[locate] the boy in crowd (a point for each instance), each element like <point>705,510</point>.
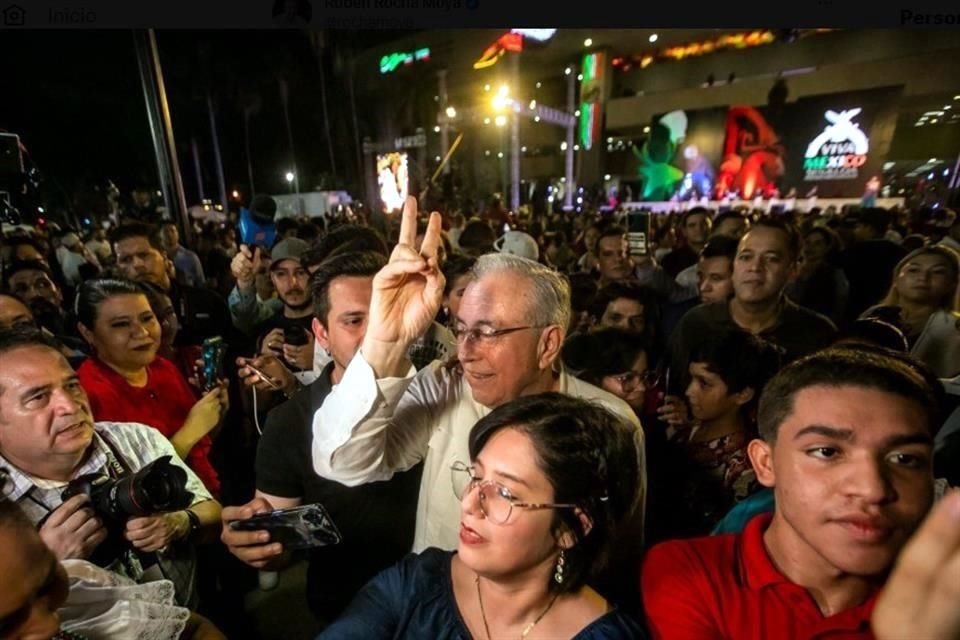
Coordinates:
<point>847,446</point>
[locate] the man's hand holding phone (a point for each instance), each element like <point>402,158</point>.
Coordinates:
<point>251,547</point>
<point>266,373</point>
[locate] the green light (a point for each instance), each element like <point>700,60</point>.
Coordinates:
<point>589,67</point>
<point>391,61</point>
<point>586,125</point>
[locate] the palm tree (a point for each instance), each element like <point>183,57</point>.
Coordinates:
<point>318,40</point>
<point>250,103</point>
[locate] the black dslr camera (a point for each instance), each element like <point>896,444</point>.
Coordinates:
<point>159,487</point>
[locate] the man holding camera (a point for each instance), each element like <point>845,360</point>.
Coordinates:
<point>50,445</point>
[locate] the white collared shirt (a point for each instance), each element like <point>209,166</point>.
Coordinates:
<point>369,429</point>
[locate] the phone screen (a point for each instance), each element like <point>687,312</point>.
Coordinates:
<point>638,232</point>
<point>302,527</point>
<point>212,356</point>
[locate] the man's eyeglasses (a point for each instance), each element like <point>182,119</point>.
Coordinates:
<point>631,379</point>
<point>496,501</point>
<point>486,335</point>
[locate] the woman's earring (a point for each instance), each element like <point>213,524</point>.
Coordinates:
<point>561,560</point>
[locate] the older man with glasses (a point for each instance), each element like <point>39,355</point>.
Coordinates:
<point>384,417</point>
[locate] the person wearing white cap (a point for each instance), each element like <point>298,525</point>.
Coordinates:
<point>73,255</point>
<point>518,243</point>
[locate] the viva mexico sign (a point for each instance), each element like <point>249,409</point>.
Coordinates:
<point>839,151</point>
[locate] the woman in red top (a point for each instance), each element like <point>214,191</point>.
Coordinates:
<point>127,381</point>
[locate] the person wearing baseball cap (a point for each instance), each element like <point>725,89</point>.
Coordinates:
<point>287,332</point>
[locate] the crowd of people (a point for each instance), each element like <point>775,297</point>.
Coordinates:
<point>745,426</point>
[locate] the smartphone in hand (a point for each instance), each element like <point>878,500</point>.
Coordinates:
<point>303,527</point>
<point>295,336</point>
<point>212,354</point>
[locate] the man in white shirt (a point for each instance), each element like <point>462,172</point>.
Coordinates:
<point>48,438</point>
<point>384,417</point>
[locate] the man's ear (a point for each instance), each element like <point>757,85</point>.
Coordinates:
<point>744,396</point>
<point>566,540</point>
<point>549,348</point>
<point>321,334</point>
<point>761,457</point>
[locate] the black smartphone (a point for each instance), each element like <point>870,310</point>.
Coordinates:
<point>638,232</point>
<point>212,354</point>
<point>295,336</point>
<point>302,527</point>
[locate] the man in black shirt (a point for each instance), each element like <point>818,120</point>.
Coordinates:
<point>375,519</point>
<point>765,262</point>
<point>294,319</point>
<point>202,312</point>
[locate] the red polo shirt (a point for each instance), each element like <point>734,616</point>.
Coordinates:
<point>162,404</point>
<point>728,587</point>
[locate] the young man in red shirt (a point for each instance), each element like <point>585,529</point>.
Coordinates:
<point>847,446</point>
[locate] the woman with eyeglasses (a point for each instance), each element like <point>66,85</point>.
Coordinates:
<point>550,480</point>
<point>615,360</point>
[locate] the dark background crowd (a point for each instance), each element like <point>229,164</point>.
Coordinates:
<point>684,326</point>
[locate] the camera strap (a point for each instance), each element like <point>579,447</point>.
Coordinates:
<point>116,465</point>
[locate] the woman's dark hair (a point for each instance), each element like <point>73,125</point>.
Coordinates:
<point>741,360</point>
<point>92,293</point>
<point>589,456</point>
<point>456,265</point>
<point>607,352</point>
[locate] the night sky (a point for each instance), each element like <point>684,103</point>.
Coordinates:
<point>75,99</point>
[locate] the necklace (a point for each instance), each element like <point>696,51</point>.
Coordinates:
<point>527,629</point>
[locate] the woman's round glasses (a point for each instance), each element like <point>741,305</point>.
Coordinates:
<point>631,379</point>
<point>496,501</point>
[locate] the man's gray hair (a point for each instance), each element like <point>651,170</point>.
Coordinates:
<point>551,291</point>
